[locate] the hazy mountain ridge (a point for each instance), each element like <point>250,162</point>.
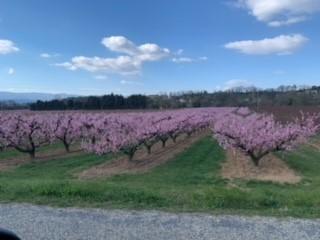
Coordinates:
<point>29,97</point>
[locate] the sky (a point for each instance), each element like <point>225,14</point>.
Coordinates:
<point>122,46</point>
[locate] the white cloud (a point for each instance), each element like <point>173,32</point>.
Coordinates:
<point>7,46</point>
<point>45,55</point>
<point>280,12</point>
<point>144,52</point>
<point>122,64</point>
<point>188,59</point>
<point>151,52</point>
<point>180,51</point>
<point>203,58</point>
<point>131,63</point>
<point>237,83</point>
<point>126,82</point>
<point>283,44</point>
<point>120,44</point>
<point>11,71</point>
<point>131,59</point>
<point>178,58</point>
<point>182,60</point>
<point>48,55</point>
<point>286,22</point>
<point>66,65</point>
<point>101,77</point>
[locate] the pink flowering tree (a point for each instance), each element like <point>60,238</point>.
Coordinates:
<point>92,129</point>
<point>150,139</point>
<point>113,133</point>
<point>258,135</point>
<point>150,131</point>
<point>26,133</point>
<point>66,128</point>
<point>162,132</point>
<point>194,123</point>
<point>3,142</point>
<point>177,125</point>
<point>130,137</point>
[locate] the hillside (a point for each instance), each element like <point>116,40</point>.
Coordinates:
<point>250,97</point>
<point>29,97</point>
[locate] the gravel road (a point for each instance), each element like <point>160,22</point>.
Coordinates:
<point>37,222</point>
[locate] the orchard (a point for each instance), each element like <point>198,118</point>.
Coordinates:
<point>256,135</point>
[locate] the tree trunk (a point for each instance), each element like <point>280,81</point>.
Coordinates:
<point>255,160</point>
<point>32,154</point>
<point>130,153</point>
<point>149,149</point>
<point>67,147</point>
<point>163,143</point>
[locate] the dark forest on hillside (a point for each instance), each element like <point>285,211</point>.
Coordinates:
<point>251,97</point>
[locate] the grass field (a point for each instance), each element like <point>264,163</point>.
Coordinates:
<point>190,182</point>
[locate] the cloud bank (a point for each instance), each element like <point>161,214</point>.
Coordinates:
<point>130,62</point>
<point>278,13</point>
<point>188,59</point>
<point>11,71</point>
<point>281,45</point>
<point>48,55</point>
<point>7,46</point>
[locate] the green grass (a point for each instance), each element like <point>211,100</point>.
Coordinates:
<point>190,182</point>
<point>12,153</point>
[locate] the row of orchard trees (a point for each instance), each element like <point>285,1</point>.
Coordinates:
<point>258,135</point>
<point>101,133</point>
<point>254,134</point>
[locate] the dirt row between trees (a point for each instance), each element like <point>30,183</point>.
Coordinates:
<point>271,168</point>
<point>142,161</point>
<point>13,162</point>
<point>236,166</point>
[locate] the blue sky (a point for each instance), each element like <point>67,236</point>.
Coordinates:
<point>143,46</point>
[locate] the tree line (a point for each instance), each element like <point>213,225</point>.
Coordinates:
<point>110,101</point>
<point>240,97</point>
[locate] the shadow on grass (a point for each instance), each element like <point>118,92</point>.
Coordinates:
<point>190,182</point>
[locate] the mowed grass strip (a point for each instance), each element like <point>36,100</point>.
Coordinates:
<point>190,182</point>
<point>47,149</point>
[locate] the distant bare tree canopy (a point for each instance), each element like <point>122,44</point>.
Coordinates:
<point>239,96</point>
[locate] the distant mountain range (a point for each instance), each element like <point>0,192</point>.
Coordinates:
<point>30,97</point>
